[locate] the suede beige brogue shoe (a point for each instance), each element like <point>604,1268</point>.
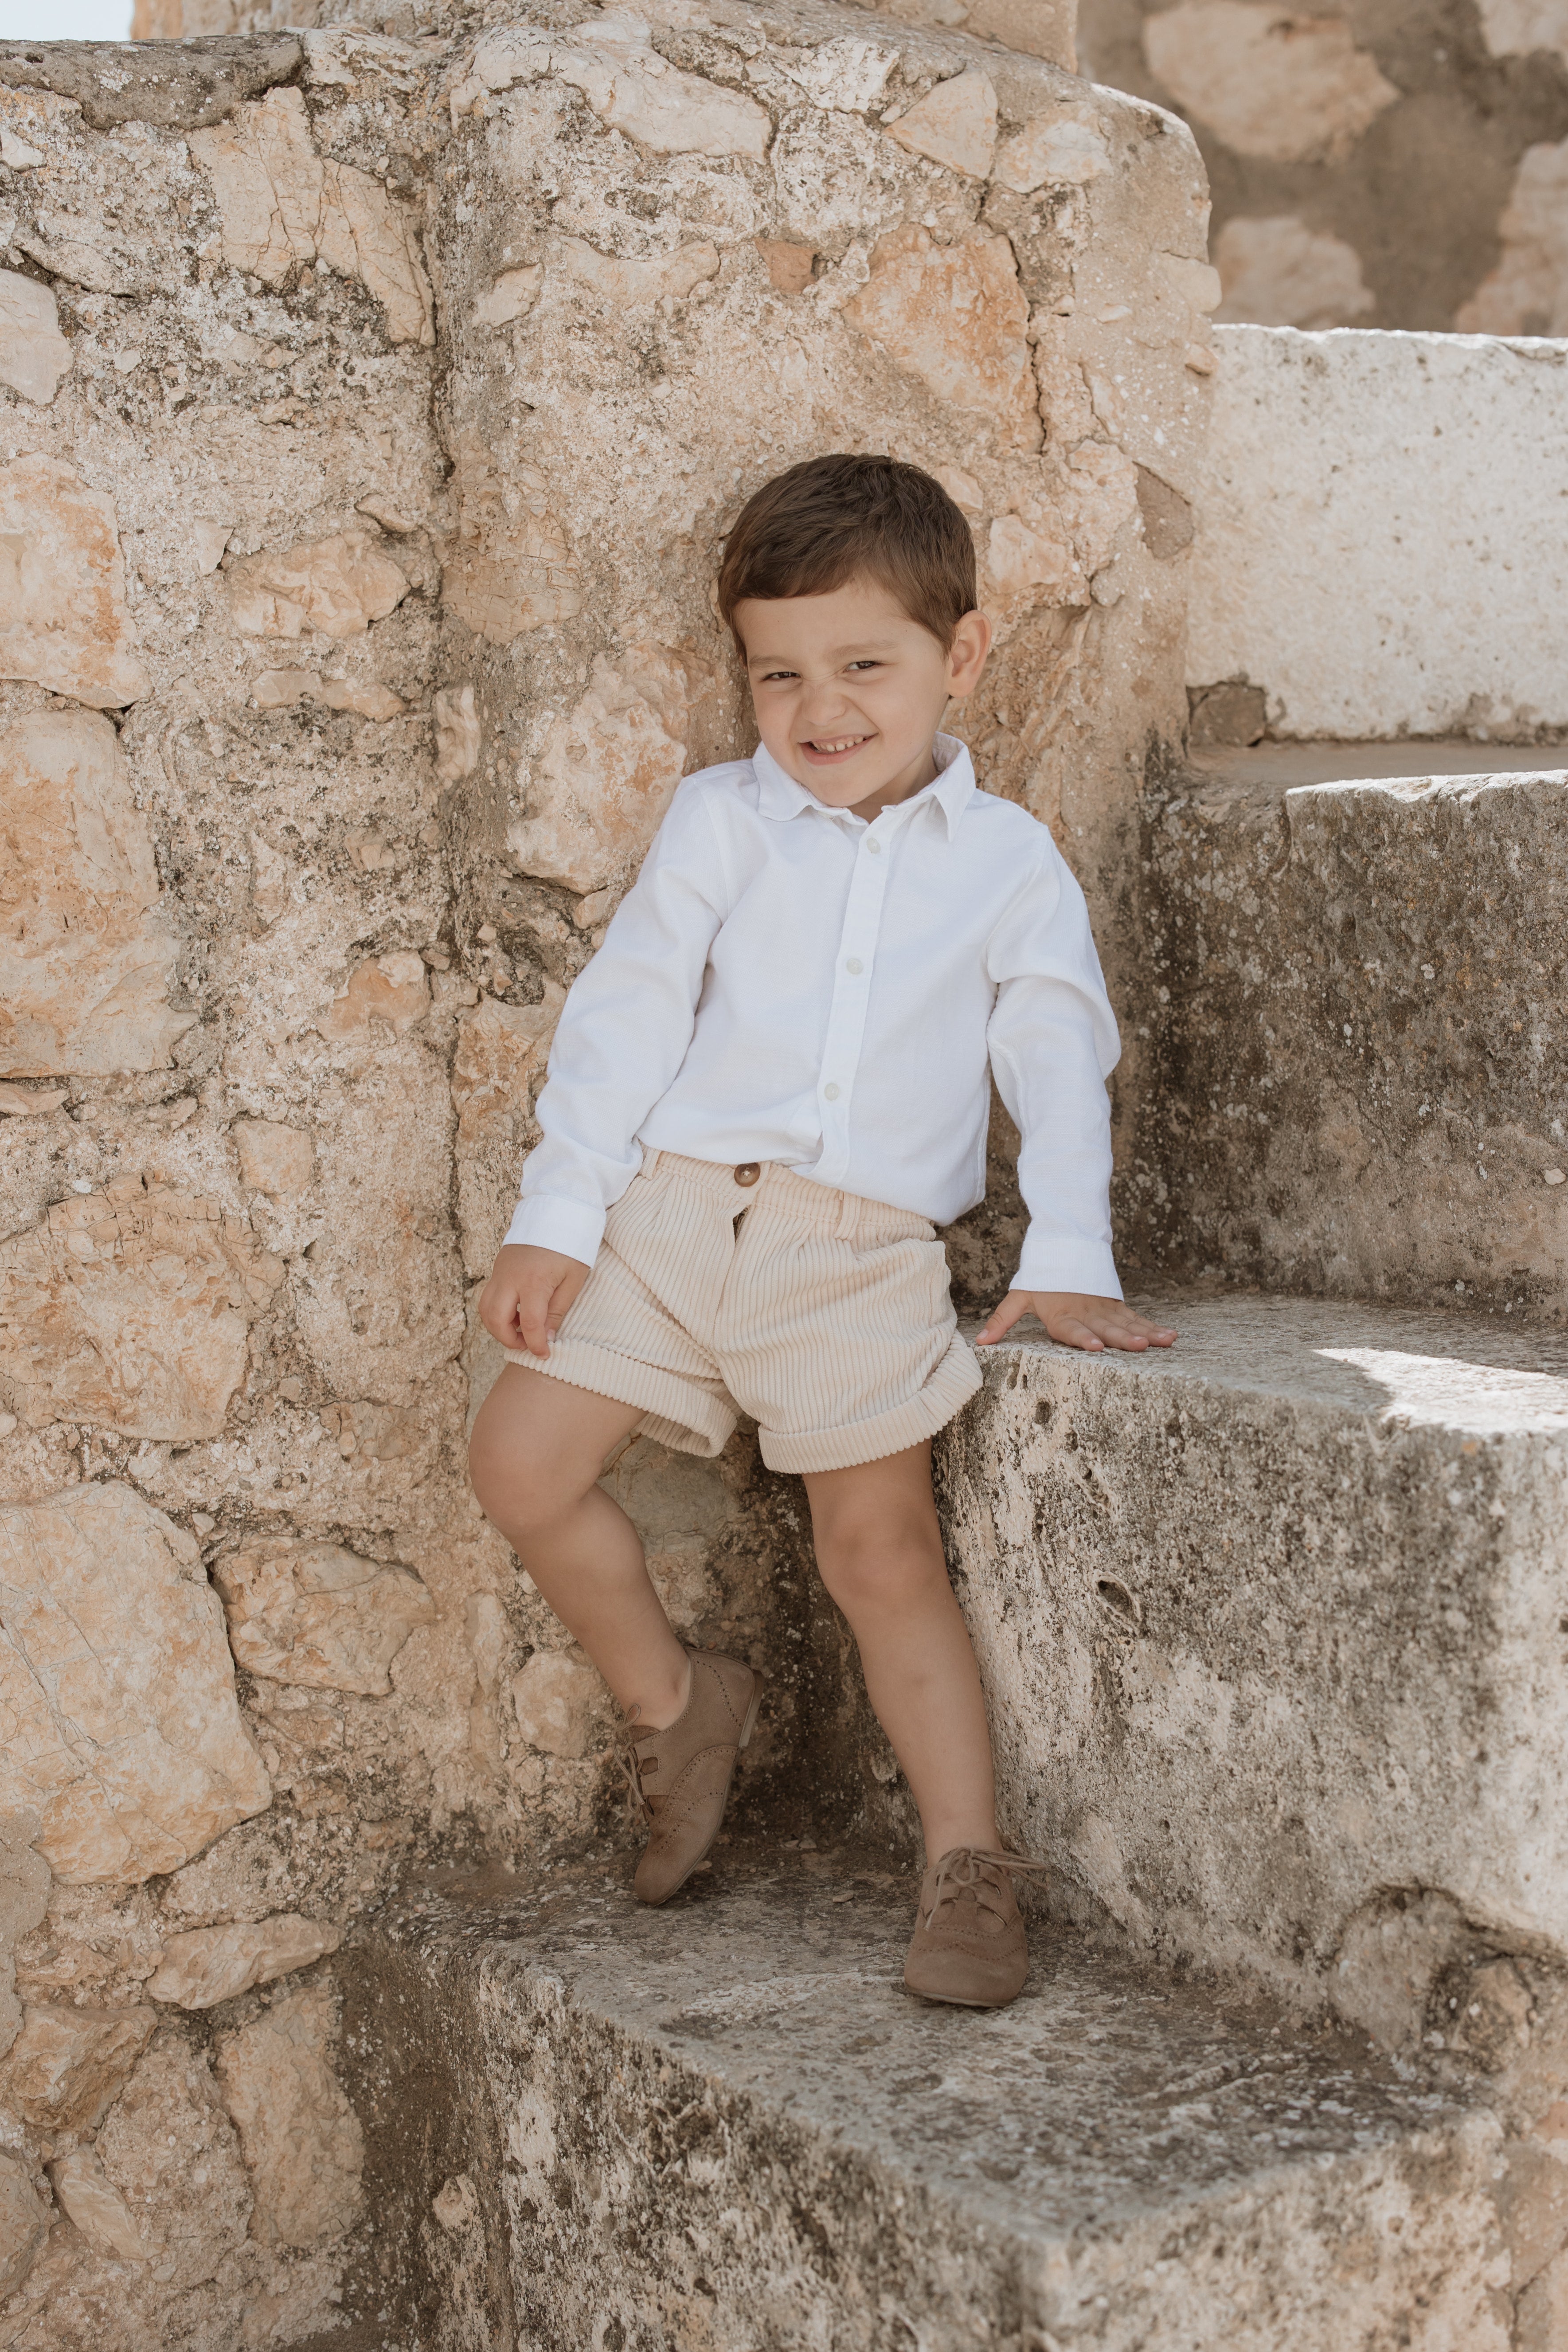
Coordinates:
<point>680,1776</point>
<point>969,1945</point>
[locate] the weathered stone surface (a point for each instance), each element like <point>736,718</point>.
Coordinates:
<point>1365,990</point>
<point>283,205</point>
<point>178,84</point>
<point>457,734</point>
<point>208,1965</point>
<point>629,85</point>
<point>63,621</point>
<point>169,2151</point>
<point>25,1881</point>
<point>129,1309</point>
<point>497,1072</point>
<point>68,2063</point>
<point>1543,2323</point>
<point>955,125</point>
<point>1515,27</point>
<point>1117,2161</point>
<point>511,567</point>
<point>121,1731</point>
<point>391,988</point>
<point>1277,272</point>
<point>1064,150</point>
<point>338,585</point>
<point>87,954</point>
<point>594,789</point>
<point>1223,1597</point>
<point>1271,84</point>
<point>23,2224</point>
<point>1527,292</point>
<point>92,2204</point>
<point>276,1160</point>
<point>34,355</point>
<point>316,1614</point>
<point>302,2139</point>
<point>953,316</point>
<point>560,1703</point>
<point>1403,614</point>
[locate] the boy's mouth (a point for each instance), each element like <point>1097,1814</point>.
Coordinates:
<point>823,750</point>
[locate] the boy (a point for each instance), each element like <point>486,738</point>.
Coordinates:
<point>766,1090</point>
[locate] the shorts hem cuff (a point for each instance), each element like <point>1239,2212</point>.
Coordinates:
<point>673,1415</point>
<point>956,1379</point>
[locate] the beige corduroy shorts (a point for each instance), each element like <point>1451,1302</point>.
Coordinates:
<point>722,1290</point>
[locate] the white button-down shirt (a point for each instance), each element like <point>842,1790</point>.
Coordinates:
<point>786,981</point>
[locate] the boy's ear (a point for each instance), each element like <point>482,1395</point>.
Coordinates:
<point>966,656</point>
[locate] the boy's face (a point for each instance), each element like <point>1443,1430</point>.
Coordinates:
<point>849,692</point>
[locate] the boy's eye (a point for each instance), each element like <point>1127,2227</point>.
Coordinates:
<point>776,677</point>
<point>866,664</point>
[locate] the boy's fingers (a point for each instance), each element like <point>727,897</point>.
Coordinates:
<point>1000,1322</point>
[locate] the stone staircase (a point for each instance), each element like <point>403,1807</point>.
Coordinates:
<point>1275,1632</point>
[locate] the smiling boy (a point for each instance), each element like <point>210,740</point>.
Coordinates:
<point>767,1089</point>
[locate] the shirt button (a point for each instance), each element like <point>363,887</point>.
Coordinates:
<point>873,845</point>
<point>856,966</point>
<point>830,1092</point>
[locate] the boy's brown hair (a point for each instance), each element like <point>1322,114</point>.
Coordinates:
<point>835,518</point>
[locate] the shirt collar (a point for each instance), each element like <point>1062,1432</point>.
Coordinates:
<point>950,790</point>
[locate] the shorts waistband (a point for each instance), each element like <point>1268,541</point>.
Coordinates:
<point>788,1194</point>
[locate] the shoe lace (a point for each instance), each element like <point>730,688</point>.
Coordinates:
<point>635,1768</point>
<point>972,1870</point>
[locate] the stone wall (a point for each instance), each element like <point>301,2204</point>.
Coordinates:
<point>373,404</point>
<point>1380,549</point>
<point>1374,164</point>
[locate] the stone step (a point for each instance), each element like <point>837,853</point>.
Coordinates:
<point>725,2125</point>
<point>1362,1024</point>
<point>1274,1625</point>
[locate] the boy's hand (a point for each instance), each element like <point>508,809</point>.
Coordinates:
<point>525,1300</point>
<point>1076,1321</point>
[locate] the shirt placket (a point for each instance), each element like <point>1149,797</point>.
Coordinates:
<point>851,994</point>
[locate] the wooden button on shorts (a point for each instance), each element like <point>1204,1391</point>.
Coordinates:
<point>722,1290</point>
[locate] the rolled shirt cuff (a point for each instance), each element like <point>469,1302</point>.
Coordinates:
<point>547,1221</point>
<point>1087,1267</point>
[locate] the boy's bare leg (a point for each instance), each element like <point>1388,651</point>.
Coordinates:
<point>879,1551</point>
<point>535,1458</point>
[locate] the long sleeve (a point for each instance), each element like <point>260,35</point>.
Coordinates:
<point>1053,1042</point>
<point>623,1035</point>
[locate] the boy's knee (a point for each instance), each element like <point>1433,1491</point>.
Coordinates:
<point>877,1565</point>
<point>515,1491</point>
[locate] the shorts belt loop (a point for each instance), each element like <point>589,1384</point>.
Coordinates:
<point>650,1160</point>
<point>848,1217</point>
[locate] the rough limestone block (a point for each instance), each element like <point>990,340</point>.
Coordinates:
<point>733,2115</point>
<point>273,1159</point>
<point>23,2224</point>
<point>1366,1029</point>
<point>599,781</point>
<point>1270,1623</point>
<point>171,2153</point>
<point>207,1964</point>
<point>25,1880</point>
<point>122,1731</point>
<point>34,355</point>
<point>283,205</point>
<point>1402,613</point>
<point>1269,84</point>
<point>87,952</point>
<point>129,1309</point>
<point>497,1072</point>
<point>316,1614</point>
<point>339,585</point>
<point>92,2204</point>
<point>63,619</point>
<point>559,1701</point>
<point>68,2063</point>
<point>302,2139</point>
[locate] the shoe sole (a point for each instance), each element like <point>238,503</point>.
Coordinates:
<point>654,1902</point>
